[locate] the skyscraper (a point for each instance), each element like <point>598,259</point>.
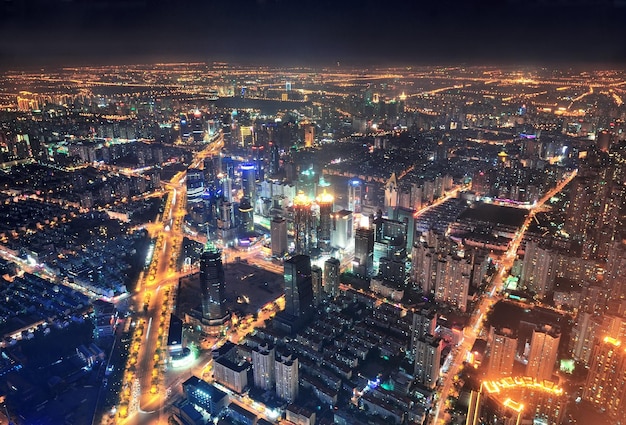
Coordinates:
<point>298,286</point>
<point>212,284</point>
<point>544,347</point>
<point>195,184</point>
<point>606,382</point>
<point>316,280</point>
<point>363,251</point>
<point>263,366</point>
<point>428,360</point>
<point>246,215</point>
<point>325,202</point>
<point>355,197</point>
<point>503,347</point>
<point>248,181</point>
<point>278,235</point>
<point>424,323</point>
<point>331,276</point>
<point>286,367</point>
<point>302,223</point>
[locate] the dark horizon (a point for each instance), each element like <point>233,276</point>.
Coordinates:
<point>51,33</point>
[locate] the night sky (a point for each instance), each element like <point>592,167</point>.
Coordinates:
<point>313,32</point>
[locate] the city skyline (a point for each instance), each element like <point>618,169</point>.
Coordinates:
<point>293,237</point>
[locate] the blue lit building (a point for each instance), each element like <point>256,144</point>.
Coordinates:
<point>204,395</point>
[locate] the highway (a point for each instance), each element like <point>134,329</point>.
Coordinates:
<point>143,387</point>
<point>485,304</point>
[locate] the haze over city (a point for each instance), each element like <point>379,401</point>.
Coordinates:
<point>312,212</point>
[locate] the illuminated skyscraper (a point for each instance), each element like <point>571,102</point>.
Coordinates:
<point>212,284</point>
<point>248,181</point>
<point>287,377</point>
<point>544,347</point>
<point>246,216</point>
<point>331,276</point>
<point>278,234</point>
<point>302,224</point>
<point>606,381</point>
<point>309,135</point>
<point>355,195</point>
<point>317,276</point>
<point>298,286</point>
<point>428,360</point>
<point>263,364</point>
<point>341,234</point>
<point>325,202</point>
<point>363,251</point>
<point>195,184</point>
<point>502,355</point>
<point>424,323</point>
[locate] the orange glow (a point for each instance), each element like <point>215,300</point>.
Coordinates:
<point>301,200</point>
<point>514,405</point>
<point>522,381</point>
<point>614,342</point>
<point>325,198</point>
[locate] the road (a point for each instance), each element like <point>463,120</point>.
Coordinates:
<point>486,302</point>
<point>152,304</point>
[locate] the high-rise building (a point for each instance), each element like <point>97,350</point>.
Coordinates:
<point>544,348</point>
<point>342,230</point>
<point>424,323</point>
<point>331,276</point>
<point>452,280</point>
<point>428,360</point>
<point>263,364</point>
<point>278,235</point>
<point>246,215</point>
<point>287,384</point>
<point>212,284</point>
<point>503,346</point>
<point>309,135</point>
<point>298,286</point>
<point>325,202</point>
<point>303,224</point>
<point>606,381</point>
<point>317,276</point>
<point>616,270</point>
<point>363,251</point>
<point>248,181</point>
<point>195,184</point>
<point>355,195</point>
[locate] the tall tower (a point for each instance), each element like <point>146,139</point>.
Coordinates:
<point>195,184</point>
<point>355,189</point>
<point>606,381</point>
<point>287,377</point>
<point>212,283</point>
<point>248,181</point>
<point>428,360</point>
<point>544,347</point>
<point>278,235</point>
<point>363,251</point>
<point>309,135</point>
<point>263,364</point>
<point>503,348</point>
<point>325,202</point>
<point>316,280</point>
<point>302,223</point>
<point>391,192</point>
<point>298,285</point>
<point>424,323</point>
<point>331,276</point>
<point>246,215</point>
